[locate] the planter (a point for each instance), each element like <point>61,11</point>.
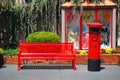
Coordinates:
<point>10,59</point>
<point>111,59</point>
<point>81,59</point>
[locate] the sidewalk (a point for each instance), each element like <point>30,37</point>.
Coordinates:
<point>109,72</point>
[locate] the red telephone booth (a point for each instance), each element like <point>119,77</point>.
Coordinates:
<point>94,46</point>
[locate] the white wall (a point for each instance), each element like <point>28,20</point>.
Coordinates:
<point>63,26</point>
<point>114,29</point>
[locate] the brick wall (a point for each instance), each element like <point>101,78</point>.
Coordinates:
<point>80,59</point>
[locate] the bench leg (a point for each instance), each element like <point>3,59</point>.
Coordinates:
<point>19,61</point>
<point>74,64</point>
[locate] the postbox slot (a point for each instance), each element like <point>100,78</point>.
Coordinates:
<point>95,31</point>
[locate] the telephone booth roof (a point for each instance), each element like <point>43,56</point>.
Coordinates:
<point>95,25</point>
<point>86,4</point>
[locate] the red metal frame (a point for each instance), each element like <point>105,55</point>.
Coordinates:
<point>49,51</point>
<point>80,32</point>
<point>96,15</point>
<point>94,40</point>
<point>111,28</point>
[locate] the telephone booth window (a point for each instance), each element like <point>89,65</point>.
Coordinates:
<point>105,19</point>
<point>72,27</point>
<point>87,17</point>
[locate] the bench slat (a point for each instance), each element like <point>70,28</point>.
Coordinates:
<point>44,54</point>
<point>48,58</point>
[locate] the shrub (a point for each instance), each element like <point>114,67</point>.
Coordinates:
<point>43,37</point>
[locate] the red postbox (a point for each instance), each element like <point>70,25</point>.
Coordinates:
<point>94,46</point>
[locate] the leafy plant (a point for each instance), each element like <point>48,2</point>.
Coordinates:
<point>83,52</point>
<point>108,50</point>
<point>10,51</point>
<point>43,37</point>
<point>1,50</point>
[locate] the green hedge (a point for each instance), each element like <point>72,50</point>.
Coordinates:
<point>43,37</point>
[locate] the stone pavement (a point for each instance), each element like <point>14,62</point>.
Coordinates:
<point>108,72</point>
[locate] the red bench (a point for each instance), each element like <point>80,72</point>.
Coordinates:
<point>46,51</point>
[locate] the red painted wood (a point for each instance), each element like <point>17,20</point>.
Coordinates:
<point>46,51</point>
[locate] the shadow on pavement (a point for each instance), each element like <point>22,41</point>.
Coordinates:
<point>102,68</point>
<point>46,67</point>
<point>3,67</point>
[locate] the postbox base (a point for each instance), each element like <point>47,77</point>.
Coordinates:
<point>93,64</point>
